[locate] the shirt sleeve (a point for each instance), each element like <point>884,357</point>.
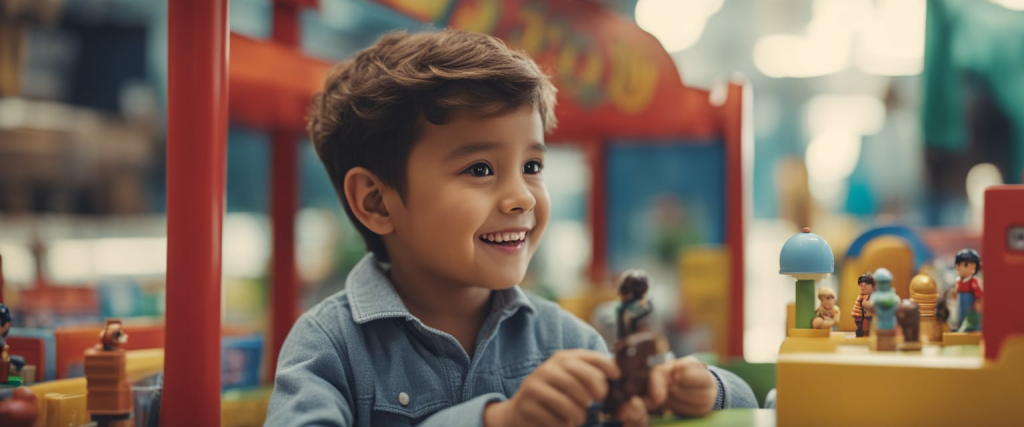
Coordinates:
<point>733,392</point>
<point>311,386</point>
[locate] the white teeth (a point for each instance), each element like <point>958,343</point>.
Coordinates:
<point>504,237</point>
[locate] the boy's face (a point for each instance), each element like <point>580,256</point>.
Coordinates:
<point>472,182</point>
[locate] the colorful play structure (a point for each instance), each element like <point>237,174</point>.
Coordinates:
<point>620,94</point>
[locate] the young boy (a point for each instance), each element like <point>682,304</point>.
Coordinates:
<point>435,145</point>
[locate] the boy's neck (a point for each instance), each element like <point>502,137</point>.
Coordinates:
<point>452,308</point>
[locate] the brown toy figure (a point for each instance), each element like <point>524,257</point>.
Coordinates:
<point>908,314</point>
<point>860,314</point>
<point>637,347</point>
<point>109,399</point>
<point>827,313</point>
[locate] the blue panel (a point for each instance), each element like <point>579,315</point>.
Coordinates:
<point>248,176</point>
<point>663,197</point>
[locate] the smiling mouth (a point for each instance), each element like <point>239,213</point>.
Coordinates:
<point>504,239</point>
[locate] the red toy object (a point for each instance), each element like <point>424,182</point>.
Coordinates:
<point>109,399</point>
<point>20,410</point>
<point>1003,247</point>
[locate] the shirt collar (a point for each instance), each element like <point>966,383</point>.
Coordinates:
<point>372,296</point>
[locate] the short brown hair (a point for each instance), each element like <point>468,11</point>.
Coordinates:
<point>368,112</point>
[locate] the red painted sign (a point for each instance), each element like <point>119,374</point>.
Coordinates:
<point>614,79</point>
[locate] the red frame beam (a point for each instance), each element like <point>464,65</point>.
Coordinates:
<point>197,118</point>
<point>284,203</point>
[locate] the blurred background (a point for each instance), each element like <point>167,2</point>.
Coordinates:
<point>857,114</point>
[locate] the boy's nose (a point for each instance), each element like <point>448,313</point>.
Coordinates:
<point>517,198</point>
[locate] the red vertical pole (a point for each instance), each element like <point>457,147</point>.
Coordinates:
<point>596,154</point>
<point>284,202</point>
<point>196,161</point>
<point>734,214</point>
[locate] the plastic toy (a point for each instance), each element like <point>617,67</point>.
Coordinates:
<point>968,263</point>
<point>860,314</point>
<point>883,304</point>
<point>925,293</point>
<point>635,307</point>
<point>908,315</point>
<point>20,410</point>
<point>637,349</point>
<point>827,314</point>
<point>806,257</point>
<point>6,359</point>
<point>1003,246</point>
<point>109,400</point>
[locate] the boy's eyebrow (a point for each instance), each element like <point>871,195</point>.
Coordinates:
<point>483,146</point>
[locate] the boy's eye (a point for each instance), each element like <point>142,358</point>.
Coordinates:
<point>479,169</point>
<point>533,167</point>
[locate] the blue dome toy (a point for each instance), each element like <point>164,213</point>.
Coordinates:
<point>806,256</point>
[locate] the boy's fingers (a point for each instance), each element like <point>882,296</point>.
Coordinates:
<point>657,386</point>
<point>592,378</point>
<point>690,372</point>
<point>561,406</point>
<point>600,361</point>
<point>569,385</point>
<point>633,413</point>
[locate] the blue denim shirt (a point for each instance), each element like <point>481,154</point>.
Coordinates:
<point>359,358</point>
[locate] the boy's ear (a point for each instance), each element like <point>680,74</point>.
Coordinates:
<point>364,193</point>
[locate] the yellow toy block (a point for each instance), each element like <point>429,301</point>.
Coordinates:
<point>704,291</point>
<point>937,386</point>
<point>64,410</point>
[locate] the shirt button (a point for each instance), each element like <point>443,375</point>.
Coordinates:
<point>403,398</point>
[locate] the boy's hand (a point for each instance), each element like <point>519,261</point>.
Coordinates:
<point>558,392</point>
<point>692,388</point>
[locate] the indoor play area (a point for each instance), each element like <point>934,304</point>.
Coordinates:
<point>825,196</point>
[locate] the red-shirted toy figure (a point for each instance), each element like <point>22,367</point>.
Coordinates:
<point>968,263</point>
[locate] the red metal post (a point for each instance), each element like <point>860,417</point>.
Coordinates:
<point>197,120</point>
<point>733,119</point>
<point>284,202</point>
<point>596,152</point>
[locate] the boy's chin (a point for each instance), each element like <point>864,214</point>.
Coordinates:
<point>501,282</point>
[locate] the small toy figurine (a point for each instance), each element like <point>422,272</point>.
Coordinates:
<point>638,349</point>
<point>6,359</point>
<point>883,304</point>
<point>20,410</point>
<point>909,317</point>
<point>109,398</point>
<point>925,293</point>
<point>827,314</point>
<point>635,307</point>
<point>112,336</point>
<point>860,316</point>
<point>968,263</point>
